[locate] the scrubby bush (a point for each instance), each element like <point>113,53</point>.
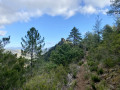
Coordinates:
<point>73,69</point>
<point>74,83</point>
<point>61,55</point>
<point>90,63</point>
<point>61,75</point>
<point>102,85</point>
<point>49,66</point>
<point>66,54</point>
<point>80,63</point>
<point>109,63</point>
<point>41,82</point>
<point>93,86</point>
<point>93,68</point>
<point>95,78</point>
<point>12,71</point>
<point>48,81</point>
<point>100,71</point>
<point>76,54</point>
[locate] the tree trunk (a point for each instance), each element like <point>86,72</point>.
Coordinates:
<point>31,64</point>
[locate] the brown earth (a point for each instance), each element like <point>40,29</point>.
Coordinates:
<point>81,82</point>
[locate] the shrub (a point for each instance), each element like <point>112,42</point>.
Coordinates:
<point>95,78</point>
<point>80,63</point>
<point>74,83</point>
<point>48,81</point>
<point>102,85</point>
<point>42,82</point>
<point>12,71</point>
<point>109,63</point>
<point>93,86</point>
<point>73,69</point>
<point>74,74</point>
<point>93,68</point>
<point>100,71</point>
<point>49,66</point>
<point>88,88</point>
<point>61,75</point>
<point>65,54</point>
<point>91,63</point>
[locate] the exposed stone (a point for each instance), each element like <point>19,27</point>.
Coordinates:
<point>69,78</point>
<point>112,87</point>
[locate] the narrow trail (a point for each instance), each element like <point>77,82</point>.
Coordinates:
<point>81,82</point>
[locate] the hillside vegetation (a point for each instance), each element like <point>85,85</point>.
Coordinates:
<point>75,63</point>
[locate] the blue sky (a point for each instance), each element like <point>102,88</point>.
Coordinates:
<point>54,19</point>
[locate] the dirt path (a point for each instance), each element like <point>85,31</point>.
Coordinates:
<point>81,83</point>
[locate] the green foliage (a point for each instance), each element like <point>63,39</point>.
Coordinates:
<point>74,74</point>
<point>32,44</point>
<point>61,55</point>
<point>90,63</point>
<point>109,63</point>
<point>48,81</point>
<point>73,69</point>
<point>115,7</point>
<point>76,54</point>
<point>49,66</point>
<point>75,36</point>
<point>107,52</point>
<point>107,32</point>
<point>118,88</point>
<point>93,68</point>
<point>41,66</point>
<point>93,86</point>
<point>66,54</point>
<point>5,40</point>
<point>80,63</point>
<point>102,85</point>
<point>95,78</point>
<point>40,83</point>
<point>61,75</point>
<point>97,28</point>
<point>90,41</point>
<point>88,88</point>
<point>74,83</point>
<point>100,71</point>
<point>12,71</point>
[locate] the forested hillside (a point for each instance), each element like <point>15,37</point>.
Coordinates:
<point>89,62</point>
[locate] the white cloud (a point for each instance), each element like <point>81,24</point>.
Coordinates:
<point>2,33</point>
<point>87,9</point>
<point>97,3</point>
<point>22,10</point>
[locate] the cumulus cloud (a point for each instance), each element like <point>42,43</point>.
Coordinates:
<point>87,9</point>
<point>2,33</point>
<point>97,3</point>
<point>22,10</point>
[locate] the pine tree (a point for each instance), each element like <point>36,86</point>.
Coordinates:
<point>115,11</point>
<point>97,28</point>
<point>115,7</point>
<point>32,44</point>
<point>5,40</point>
<point>75,36</point>
<point>107,30</point>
